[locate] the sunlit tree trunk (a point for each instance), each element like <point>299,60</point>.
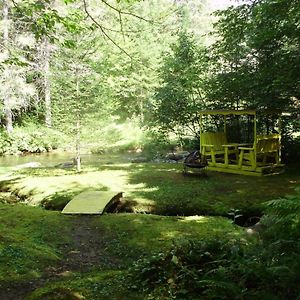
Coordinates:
<point>78,127</point>
<point>46,80</point>
<point>6,98</point>
<point>44,62</point>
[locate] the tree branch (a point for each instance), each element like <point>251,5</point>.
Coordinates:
<point>125,12</point>
<point>103,31</point>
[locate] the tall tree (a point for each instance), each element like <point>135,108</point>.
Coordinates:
<point>44,69</point>
<point>6,99</point>
<point>15,90</point>
<point>256,55</point>
<point>181,94</point>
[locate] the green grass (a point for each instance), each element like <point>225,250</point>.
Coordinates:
<point>32,238</point>
<point>29,241</point>
<point>156,188</point>
<point>128,238</point>
<point>132,236</point>
<point>216,194</point>
<point>105,285</point>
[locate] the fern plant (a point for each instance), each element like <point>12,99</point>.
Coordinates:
<point>283,217</point>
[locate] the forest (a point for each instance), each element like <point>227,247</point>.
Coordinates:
<point>101,96</point>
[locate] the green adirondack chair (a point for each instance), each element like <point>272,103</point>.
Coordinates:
<point>214,146</point>
<point>263,157</point>
<point>266,146</point>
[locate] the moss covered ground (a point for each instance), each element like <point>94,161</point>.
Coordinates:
<point>153,188</point>
<point>47,255</point>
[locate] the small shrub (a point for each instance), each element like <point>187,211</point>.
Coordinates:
<point>30,139</point>
<point>283,217</point>
<point>190,270</point>
<point>220,269</point>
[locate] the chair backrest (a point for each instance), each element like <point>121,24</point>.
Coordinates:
<point>267,143</point>
<point>214,138</point>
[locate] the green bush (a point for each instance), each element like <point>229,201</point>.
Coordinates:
<point>283,218</point>
<point>30,139</point>
<point>115,137</point>
<point>290,149</point>
<point>156,145</point>
<point>191,270</point>
<point>268,268</point>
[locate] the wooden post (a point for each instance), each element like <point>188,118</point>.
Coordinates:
<point>225,127</point>
<point>200,133</point>
<point>279,140</point>
<point>255,140</point>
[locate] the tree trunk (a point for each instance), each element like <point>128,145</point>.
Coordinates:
<point>6,98</point>
<point>46,80</point>
<point>8,116</point>
<point>78,158</point>
<point>78,128</point>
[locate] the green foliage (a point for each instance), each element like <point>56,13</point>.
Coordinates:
<point>283,217</point>
<point>45,19</point>
<point>256,55</point>
<point>30,139</point>
<point>156,145</point>
<point>218,269</point>
<point>190,270</point>
<point>291,148</point>
<point>181,93</point>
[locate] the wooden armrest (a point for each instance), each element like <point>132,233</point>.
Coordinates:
<point>246,148</point>
<point>230,146</point>
<point>206,145</point>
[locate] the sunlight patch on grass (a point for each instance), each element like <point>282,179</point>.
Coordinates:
<point>198,219</point>
<point>170,234</point>
<point>138,234</point>
<point>38,188</point>
<point>156,188</point>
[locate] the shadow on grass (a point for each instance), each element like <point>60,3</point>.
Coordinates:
<point>216,194</point>
<point>58,200</point>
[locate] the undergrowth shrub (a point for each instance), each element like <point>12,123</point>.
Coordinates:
<point>157,145</point>
<point>290,149</point>
<point>30,139</point>
<point>283,218</point>
<point>266,268</point>
<point>190,270</point>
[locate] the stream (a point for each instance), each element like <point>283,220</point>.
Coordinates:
<point>46,159</point>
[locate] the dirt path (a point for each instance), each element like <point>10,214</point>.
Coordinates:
<point>86,251</point>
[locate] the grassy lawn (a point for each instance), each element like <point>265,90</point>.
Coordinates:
<point>29,241</point>
<point>36,245</point>
<point>75,257</point>
<point>155,188</point>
